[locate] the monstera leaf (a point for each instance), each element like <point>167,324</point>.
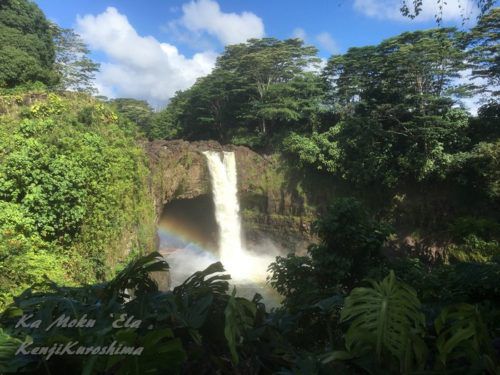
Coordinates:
<point>385,317</point>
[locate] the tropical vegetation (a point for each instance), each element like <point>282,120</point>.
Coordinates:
<point>404,276</point>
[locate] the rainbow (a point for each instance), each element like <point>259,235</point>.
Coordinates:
<point>186,254</point>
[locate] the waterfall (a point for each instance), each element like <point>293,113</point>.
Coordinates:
<point>227,208</point>
<point>246,267</point>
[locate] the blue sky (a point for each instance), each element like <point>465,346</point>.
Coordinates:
<point>150,49</point>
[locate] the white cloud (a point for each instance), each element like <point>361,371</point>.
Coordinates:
<point>453,10</point>
<point>299,33</point>
<point>327,43</point>
<point>139,66</point>
<point>229,28</point>
<point>323,40</point>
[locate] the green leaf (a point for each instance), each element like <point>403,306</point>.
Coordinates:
<point>386,317</point>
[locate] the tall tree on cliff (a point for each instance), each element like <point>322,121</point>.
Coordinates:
<point>264,66</point>
<point>26,48</point>
<point>414,69</point>
<point>209,107</point>
<point>395,104</point>
<point>256,89</point>
<point>484,43</point>
<point>75,68</point>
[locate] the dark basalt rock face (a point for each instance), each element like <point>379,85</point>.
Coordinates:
<point>271,208</point>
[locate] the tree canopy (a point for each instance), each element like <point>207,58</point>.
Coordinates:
<point>27,51</point>
<point>75,69</point>
<point>256,89</point>
<point>484,44</point>
<point>413,8</point>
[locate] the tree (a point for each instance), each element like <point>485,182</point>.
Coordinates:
<point>26,48</point>
<point>350,243</point>
<point>484,54</point>
<point>72,178</point>
<point>297,102</point>
<point>395,102</point>
<point>260,88</point>
<point>414,69</point>
<point>210,105</point>
<point>163,126</point>
<point>264,65</point>
<point>413,8</point>
<point>75,69</point>
<point>137,111</point>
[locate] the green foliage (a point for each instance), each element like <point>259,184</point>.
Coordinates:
<point>387,330</point>
<point>442,284</point>
<point>483,42</point>
<point>137,111</point>
<point>258,88</point>
<point>198,327</point>
<point>8,348</point>
<point>386,318</point>
<point>75,69</point>
<point>25,259</point>
<point>73,186</point>
<point>320,149</point>
<point>394,101</point>
<point>292,277</point>
<point>53,106</point>
<point>26,47</point>
<point>264,66</point>
<point>484,127</point>
<point>461,332</point>
<point>350,244</point>
<point>394,122</point>
<point>207,109</point>
<point>74,201</point>
<point>239,317</point>
<point>105,303</point>
<point>164,126</point>
<point>97,113</point>
<point>195,328</point>
<point>17,230</point>
<point>481,169</point>
<point>484,228</point>
<point>474,249</point>
<point>407,69</point>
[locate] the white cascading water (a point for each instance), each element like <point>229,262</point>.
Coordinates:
<point>227,208</point>
<point>237,261</point>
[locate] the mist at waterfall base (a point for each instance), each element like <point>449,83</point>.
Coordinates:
<point>186,254</point>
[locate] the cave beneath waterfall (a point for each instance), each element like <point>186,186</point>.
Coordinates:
<point>188,236</point>
<point>188,222</point>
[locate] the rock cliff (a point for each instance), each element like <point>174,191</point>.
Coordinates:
<point>272,208</point>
